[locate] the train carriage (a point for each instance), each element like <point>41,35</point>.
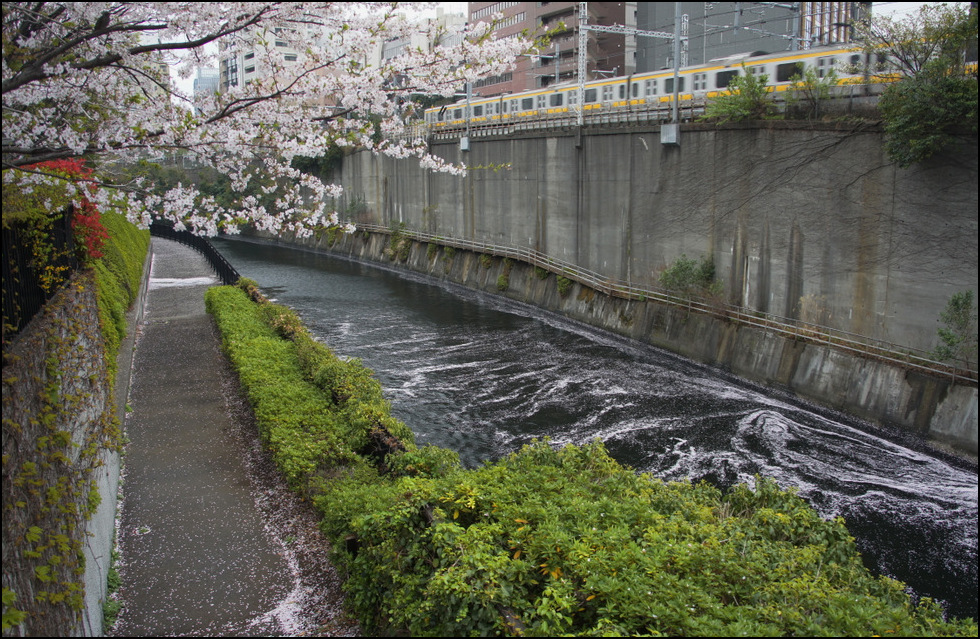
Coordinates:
<point>649,91</point>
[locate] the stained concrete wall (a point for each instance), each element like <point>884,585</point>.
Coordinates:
<point>879,392</point>
<point>802,221</point>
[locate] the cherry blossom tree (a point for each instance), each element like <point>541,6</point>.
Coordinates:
<point>92,80</point>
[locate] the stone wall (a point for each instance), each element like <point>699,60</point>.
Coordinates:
<point>61,463</point>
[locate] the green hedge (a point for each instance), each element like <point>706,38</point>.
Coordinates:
<point>544,541</point>
<point>118,274</point>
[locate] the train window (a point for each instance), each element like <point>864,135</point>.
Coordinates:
<point>607,93</point>
<point>757,70</point>
<point>669,85</point>
<point>622,91</point>
<point>700,81</point>
<point>724,78</point>
<point>542,101</point>
<point>478,111</point>
<point>590,95</point>
<point>527,104</point>
<point>824,66</point>
<point>557,99</point>
<point>573,98</point>
<point>491,108</point>
<point>786,71</point>
<point>636,90</point>
<point>503,106</point>
<point>650,87</point>
<point>458,114</point>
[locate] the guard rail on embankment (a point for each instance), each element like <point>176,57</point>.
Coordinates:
<point>226,272</point>
<point>910,358</point>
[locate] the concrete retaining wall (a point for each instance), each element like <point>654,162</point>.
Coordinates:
<point>876,391</point>
<point>802,221</point>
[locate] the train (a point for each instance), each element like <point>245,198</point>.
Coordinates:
<point>654,91</point>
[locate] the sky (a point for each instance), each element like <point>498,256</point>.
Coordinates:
<point>894,9</point>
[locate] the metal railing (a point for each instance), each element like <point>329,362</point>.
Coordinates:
<point>30,278</point>
<point>908,357</point>
<point>226,272</point>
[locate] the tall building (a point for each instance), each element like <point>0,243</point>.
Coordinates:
<point>235,68</point>
<point>206,82</point>
<point>720,29</point>
<point>607,53</point>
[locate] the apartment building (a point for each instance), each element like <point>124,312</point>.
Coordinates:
<point>608,54</point>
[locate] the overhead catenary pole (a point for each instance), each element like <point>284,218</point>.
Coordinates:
<point>677,60</point>
<point>583,40</point>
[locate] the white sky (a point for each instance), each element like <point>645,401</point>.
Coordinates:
<point>896,9</point>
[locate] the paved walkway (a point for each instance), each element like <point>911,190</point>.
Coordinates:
<point>198,557</point>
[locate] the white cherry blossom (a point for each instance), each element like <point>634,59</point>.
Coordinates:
<point>91,79</point>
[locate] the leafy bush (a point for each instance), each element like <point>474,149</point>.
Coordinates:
<point>748,98</point>
<point>689,277</point>
<point>926,113</point>
<point>564,286</point>
<point>958,335</point>
<point>544,541</point>
<point>808,92</point>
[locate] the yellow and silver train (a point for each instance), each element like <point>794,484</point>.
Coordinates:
<point>653,90</point>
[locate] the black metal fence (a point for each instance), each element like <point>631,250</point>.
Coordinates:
<point>36,263</point>
<point>226,272</point>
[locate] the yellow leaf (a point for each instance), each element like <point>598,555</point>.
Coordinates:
<point>455,514</point>
<point>517,555</point>
<point>590,598</point>
<point>521,521</point>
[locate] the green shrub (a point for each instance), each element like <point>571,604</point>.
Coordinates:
<point>958,335</point>
<point>689,277</point>
<point>748,98</point>
<point>503,282</point>
<point>544,541</point>
<point>927,113</point>
<point>564,286</point>
<point>118,274</point>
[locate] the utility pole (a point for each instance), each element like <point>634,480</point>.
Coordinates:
<point>680,42</point>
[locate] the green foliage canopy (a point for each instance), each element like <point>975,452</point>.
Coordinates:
<point>545,541</point>
<point>748,98</point>
<point>935,101</point>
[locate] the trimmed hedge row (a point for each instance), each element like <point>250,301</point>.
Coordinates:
<point>544,541</point>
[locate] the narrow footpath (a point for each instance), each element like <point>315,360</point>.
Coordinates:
<point>211,541</point>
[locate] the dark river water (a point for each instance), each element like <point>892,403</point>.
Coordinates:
<point>482,376</point>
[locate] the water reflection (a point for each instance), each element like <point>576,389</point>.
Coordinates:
<point>483,376</point>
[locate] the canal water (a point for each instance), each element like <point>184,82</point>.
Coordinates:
<point>482,375</point>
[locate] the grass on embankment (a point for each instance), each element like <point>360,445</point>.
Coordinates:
<point>544,541</point>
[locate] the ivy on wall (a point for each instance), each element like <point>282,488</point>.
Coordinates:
<point>58,418</point>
